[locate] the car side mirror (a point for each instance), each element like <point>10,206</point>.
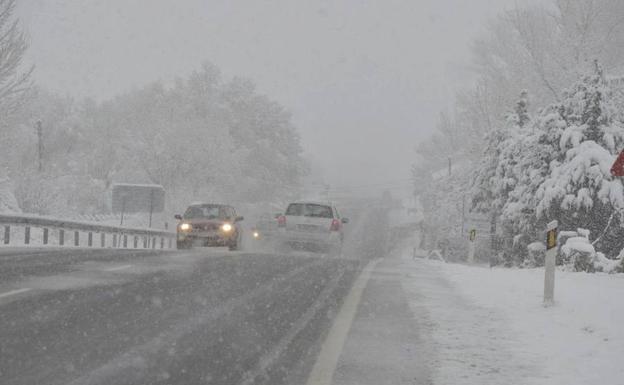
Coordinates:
<point>178,217</point>
<point>345,220</point>
<point>238,219</point>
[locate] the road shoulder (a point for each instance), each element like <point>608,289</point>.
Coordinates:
<point>473,344</point>
<point>384,344</point>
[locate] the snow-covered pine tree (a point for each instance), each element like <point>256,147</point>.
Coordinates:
<point>484,192</point>
<point>496,175</point>
<point>529,154</point>
<point>580,192</point>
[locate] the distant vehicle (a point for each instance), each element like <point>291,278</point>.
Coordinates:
<point>265,228</point>
<point>209,224</point>
<point>312,225</point>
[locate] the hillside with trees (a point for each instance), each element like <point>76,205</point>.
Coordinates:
<point>535,137</point>
<point>202,137</point>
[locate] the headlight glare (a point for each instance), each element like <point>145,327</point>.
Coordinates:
<point>226,227</point>
<point>185,227</point>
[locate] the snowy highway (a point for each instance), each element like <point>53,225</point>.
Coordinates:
<point>199,316</point>
<point>312,193</point>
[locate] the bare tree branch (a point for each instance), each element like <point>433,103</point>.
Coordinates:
<point>14,81</point>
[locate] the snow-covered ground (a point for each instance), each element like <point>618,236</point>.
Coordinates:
<point>488,326</point>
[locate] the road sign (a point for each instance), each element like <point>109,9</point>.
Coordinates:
<point>618,166</point>
<point>138,198</point>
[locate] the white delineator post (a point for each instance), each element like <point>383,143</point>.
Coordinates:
<point>549,263</point>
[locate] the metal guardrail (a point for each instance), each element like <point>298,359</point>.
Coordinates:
<point>56,232</point>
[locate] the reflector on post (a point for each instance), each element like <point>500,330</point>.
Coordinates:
<point>551,235</point>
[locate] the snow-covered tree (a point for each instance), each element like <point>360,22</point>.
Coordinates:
<point>543,49</point>
<point>529,154</point>
<point>202,138</point>
<point>580,192</point>
<point>495,175</point>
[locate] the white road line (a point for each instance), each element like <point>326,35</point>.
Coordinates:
<point>13,292</point>
<point>118,268</point>
<point>267,359</point>
<point>325,365</point>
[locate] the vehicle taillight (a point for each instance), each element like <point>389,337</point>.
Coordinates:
<point>335,226</point>
<point>281,221</point>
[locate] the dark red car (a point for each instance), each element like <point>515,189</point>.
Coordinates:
<point>209,224</point>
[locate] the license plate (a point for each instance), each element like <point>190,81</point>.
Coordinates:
<point>311,228</point>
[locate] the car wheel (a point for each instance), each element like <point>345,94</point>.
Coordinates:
<point>234,245</point>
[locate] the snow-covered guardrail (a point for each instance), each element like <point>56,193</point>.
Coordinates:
<point>24,230</point>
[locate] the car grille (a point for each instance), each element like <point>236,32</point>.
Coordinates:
<point>205,227</point>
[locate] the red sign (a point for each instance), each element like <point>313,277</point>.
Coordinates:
<point>618,167</point>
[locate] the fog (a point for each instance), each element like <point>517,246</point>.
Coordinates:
<point>365,81</point>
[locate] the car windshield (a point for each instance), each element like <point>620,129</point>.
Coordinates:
<point>203,212</point>
<point>309,210</point>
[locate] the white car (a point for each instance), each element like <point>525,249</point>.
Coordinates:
<point>312,225</point>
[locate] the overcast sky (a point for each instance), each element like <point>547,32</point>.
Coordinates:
<point>365,80</point>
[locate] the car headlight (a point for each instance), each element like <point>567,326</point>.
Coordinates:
<point>256,234</point>
<point>226,227</point>
<point>185,227</point>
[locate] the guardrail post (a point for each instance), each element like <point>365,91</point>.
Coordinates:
<point>114,240</point>
<point>169,242</point>
<point>45,235</point>
<point>103,240</point>
<point>145,242</point>
<point>162,242</point>
<point>76,238</point>
<point>26,235</point>
<point>61,237</point>
<point>136,241</point>
<point>90,239</point>
<point>7,234</point>
<point>125,243</point>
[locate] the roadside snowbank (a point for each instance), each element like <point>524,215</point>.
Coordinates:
<point>501,326</point>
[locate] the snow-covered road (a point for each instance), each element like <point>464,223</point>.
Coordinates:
<point>108,316</point>
<point>78,316</point>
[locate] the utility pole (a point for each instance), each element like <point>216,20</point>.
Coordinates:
<point>151,207</point>
<point>463,217</point>
<point>40,144</point>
